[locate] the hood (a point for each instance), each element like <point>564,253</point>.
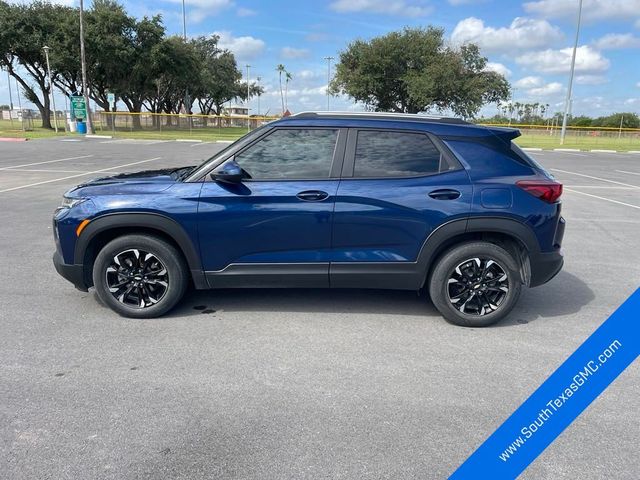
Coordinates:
<point>147,181</point>
<point>147,176</point>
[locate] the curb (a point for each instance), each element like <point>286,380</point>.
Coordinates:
<point>13,139</point>
<point>532,149</point>
<point>604,151</point>
<point>567,150</point>
<point>633,151</point>
<point>98,136</point>
<point>188,140</point>
<point>224,141</point>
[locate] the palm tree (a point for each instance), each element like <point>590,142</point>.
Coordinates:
<point>280,69</point>
<point>287,78</point>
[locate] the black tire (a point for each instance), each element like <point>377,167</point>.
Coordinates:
<point>478,282</point>
<point>155,279</point>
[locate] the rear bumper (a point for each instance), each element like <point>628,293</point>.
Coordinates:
<point>73,273</point>
<point>544,266</point>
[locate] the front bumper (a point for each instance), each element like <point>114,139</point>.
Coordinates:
<point>73,273</point>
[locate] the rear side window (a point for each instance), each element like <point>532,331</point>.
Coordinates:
<point>395,154</point>
<point>290,154</point>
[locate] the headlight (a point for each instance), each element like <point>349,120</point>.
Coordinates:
<point>71,202</point>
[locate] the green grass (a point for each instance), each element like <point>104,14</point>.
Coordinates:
<point>580,140</point>
<point>205,134</point>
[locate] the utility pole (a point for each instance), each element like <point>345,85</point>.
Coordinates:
<point>83,61</point>
<point>53,100</point>
<point>620,130</point>
<point>328,59</point>
<point>248,90</point>
<point>573,67</point>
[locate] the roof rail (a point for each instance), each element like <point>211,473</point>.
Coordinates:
<point>414,117</point>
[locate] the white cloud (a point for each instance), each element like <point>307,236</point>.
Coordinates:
<point>591,9</point>
<point>198,10</point>
<point>389,7</point>
<point>591,79</point>
<point>457,3</point>
<point>244,48</point>
<point>498,68</point>
<point>245,12</point>
<point>529,82</point>
<point>588,60</point>
<point>617,40</point>
<point>523,33</point>
<point>546,90</point>
<point>292,53</point>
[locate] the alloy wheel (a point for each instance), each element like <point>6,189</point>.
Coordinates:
<point>137,278</point>
<point>478,286</point>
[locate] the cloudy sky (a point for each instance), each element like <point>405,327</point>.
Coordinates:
<point>530,42</point>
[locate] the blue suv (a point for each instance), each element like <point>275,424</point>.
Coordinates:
<point>321,200</point>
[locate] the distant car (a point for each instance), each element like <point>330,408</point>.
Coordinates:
<point>325,200</point>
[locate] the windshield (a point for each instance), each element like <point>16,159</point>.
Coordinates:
<point>195,171</point>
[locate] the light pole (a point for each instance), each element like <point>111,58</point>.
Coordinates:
<point>328,59</point>
<point>258,79</point>
<point>83,61</point>
<point>10,98</point>
<point>573,67</point>
<point>53,100</point>
<point>187,100</point>
<point>248,89</point>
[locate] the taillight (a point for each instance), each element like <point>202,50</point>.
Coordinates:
<point>546,190</point>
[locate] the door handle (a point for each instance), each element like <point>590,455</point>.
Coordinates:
<point>445,194</point>
<point>312,195</point>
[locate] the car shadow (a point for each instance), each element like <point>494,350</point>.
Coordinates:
<point>392,302</point>
<point>564,295</point>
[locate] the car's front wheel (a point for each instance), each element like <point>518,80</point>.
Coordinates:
<point>475,284</point>
<point>140,276</point>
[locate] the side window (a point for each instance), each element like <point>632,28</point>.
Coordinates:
<point>290,154</point>
<point>395,154</point>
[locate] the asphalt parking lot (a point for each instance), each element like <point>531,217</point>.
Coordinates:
<point>267,384</point>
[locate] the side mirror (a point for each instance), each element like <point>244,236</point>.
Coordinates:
<point>230,172</point>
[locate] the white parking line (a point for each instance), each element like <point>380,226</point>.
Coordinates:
<point>575,154</point>
<point>603,198</point>
<point>78,175</point>
<point>599,187</point>
<point>595,178</point>
<point>43,170</point>
<point>47,161</point>
<point>631,173</point>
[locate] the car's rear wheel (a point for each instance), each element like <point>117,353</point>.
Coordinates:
<point>475,284</point>
<point>140,276</point>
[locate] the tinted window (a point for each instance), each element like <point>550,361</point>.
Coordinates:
<point>293,153</point>
<point>395,154</point>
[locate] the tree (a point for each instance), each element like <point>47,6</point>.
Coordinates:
<point>413,71</point>
<point>217,78</point>
<point>281,69</point>
<point>287,78</point>
<point>25,30</point>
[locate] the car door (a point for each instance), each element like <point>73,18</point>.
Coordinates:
<point>274,228</point>
<point>397,187</point>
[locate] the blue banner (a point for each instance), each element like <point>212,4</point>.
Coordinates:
<point>560,399</point>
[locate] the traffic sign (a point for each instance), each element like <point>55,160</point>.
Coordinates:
<point>78,107</point>
<point>111,98</point>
